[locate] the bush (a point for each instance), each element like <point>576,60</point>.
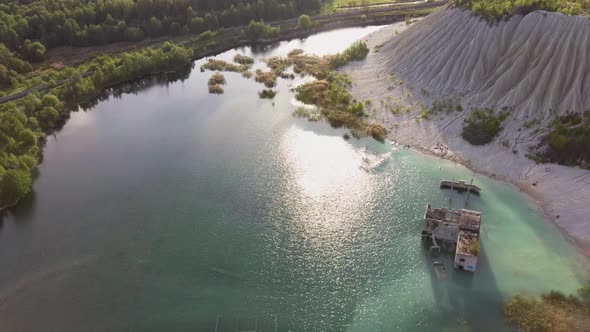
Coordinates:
<point>207,35</point>
<point>216,79</point>
<point>257,30</point>
<point>356,52</point>
<point>267,94</point>
<point>552,312</point>
<point>568,142</point>
<point>446,105</point>
<point>482,126</point>
<point>494,10</point>
<point>14,185</point>
<point>33,51</point>
<point>215,89</point>
<point>243,60</point>
<point>304,22</point>
<point>269,78</point>
<point>220,65</point>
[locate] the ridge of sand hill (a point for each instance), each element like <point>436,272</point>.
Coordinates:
<point>537,66</point>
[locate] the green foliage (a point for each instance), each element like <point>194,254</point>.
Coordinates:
<point>552,312</point>
<point>446,105</point>
<point>21,127</point>
<point>78,88</point>
<point>257,30</point>
<point>356,52</point>
<point>14,185</point>
<point>216,79</point>
<point>221,65</point>
<point>83,23</point>
<point>243,60</point>
<point>304,22</point>
<point>333,99</point>
<point>207,35</point>
<point>30,27</point>
<point>494,10</point>
<point>268,78</point>
<point>12,62</point>
<point>482,125</point>
<point>215,89</point>
<point>19,153</point>
<point>267,94</point>
<point>33,51</point>
<point>568,142</point>
<point>11,67</point>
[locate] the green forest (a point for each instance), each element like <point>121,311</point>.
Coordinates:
<point>83,22</point>
<point>29,28</point>
<point>496,9</point>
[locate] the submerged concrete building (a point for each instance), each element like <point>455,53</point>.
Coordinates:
<point>455,230</point>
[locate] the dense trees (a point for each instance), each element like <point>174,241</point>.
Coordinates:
<point>304,22</point>
<point>28,28</point>
<point>14,184</point>
<point>496,9</point>
<point>81,23</point>
<point>33,51</point>
<point>260,29</point>
<point>18,154</point>
<point>11,67</point>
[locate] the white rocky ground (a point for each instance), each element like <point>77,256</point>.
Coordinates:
<point>536,66</point>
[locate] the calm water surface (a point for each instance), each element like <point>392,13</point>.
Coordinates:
<point>169,209</point>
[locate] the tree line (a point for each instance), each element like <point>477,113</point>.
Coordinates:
<point>494,10</point>
<point>83,23</point>
<point>29,27</point>
<point>23,125</point>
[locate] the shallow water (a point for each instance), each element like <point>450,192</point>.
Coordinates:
<point>169,209</point>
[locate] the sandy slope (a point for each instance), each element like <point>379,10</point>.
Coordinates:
<point>537,66</point>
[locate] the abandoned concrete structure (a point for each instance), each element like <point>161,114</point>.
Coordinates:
<point>456,230</point>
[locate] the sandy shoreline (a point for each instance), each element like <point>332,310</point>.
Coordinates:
<point>562,193</point>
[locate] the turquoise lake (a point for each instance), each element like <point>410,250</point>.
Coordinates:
<point>165,208</point>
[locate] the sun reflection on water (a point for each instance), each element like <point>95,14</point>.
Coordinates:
<point>324,165</point>
<point>330,187</point>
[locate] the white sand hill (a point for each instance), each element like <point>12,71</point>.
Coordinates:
<point>536,66</point>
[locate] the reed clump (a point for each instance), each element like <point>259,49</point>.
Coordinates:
<point>221,65</point>
<point>216,89</point>
<point>268,78</point>
<point>243,59</point>
<point>217,79</point>
<point>267,94</point>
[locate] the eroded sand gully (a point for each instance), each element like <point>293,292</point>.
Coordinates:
<point>536,66</point>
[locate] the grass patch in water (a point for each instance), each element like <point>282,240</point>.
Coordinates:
<point>268,78</point>
<point>267,94</point>
<point>243,60</point>
<point>216,89</point>
<point>220,65</point>
<point>310,114</point>
<point>216,79</point>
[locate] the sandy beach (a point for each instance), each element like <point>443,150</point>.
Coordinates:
<point>386,79</point>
